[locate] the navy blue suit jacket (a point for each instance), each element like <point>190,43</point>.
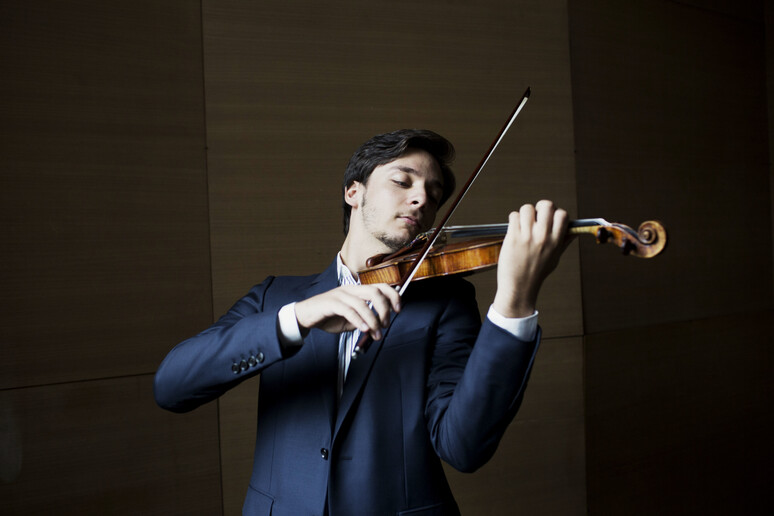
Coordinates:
<point>438,385</point>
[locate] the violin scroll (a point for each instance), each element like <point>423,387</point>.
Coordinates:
<point>648,241</point>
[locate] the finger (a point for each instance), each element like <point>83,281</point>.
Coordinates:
<point>526,219</point>
<point>381,307</point>
<point>385,300</point>
<point>358,311</point>
<point>382,297</point>
<point>545,210</point>
<point>514,224</point>
<point>560,224</point>
<point>544,217</point>
<point>392,296</point>
<point>342,314</point>
<point>382,300</point>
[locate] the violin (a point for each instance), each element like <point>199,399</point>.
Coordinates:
<point>481,253</point>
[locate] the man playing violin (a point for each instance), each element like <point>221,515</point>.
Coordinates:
<point>343,436</point>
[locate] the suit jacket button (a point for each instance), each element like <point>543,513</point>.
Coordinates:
<point>260,357</point>
<point>324,453</point>
<point>235,367</point>
<point>252,361</point>
<point>243,365</point>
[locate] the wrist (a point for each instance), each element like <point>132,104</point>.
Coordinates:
<point>299,316</point>
<point>513,306</point>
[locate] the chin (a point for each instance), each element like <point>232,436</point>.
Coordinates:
<point>396,242</point>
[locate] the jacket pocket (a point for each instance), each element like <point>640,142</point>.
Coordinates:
<point>257,503</point>
<point>405,336</point>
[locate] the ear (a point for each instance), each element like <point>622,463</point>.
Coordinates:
<point>353,194</point>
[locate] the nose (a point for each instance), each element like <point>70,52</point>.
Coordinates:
<point>418,196</point>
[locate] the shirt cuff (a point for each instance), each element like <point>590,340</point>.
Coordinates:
<point>289,332</point>
<point>523,328</point>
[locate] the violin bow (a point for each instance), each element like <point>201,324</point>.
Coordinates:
<point>365,340</point>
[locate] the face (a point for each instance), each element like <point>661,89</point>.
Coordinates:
<point>399,200</point>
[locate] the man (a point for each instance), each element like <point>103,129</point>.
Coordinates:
<point>366,436</point>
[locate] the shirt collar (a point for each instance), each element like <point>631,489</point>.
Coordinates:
<point>343,273</point>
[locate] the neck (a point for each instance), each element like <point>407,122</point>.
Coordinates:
<point>358,247</point>
<point>354,254</point>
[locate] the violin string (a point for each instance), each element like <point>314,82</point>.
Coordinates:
<point>502,227</point>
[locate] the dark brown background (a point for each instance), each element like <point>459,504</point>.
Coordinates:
<point>159,158</point>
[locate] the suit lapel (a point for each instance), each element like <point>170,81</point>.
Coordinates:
<point>359,369</point>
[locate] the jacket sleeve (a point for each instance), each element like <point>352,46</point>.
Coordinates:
<point>475,384</point>
<point>239,345</point>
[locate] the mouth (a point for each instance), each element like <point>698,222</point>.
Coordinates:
<point>410,221</point>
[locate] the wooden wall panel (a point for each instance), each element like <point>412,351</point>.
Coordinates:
<point>749,10</point>
<point>679,418</point>
<point>105,259</point>
<point>670,113</point>
<point>670,123</point>
<point>292,88</point>
<point>103,447</point>
<point>103,191</point>
<point>769,20</point>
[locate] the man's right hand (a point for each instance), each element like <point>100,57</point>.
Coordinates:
<point>346,308</point>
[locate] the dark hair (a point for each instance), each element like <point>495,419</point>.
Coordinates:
<point>385,148</point>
